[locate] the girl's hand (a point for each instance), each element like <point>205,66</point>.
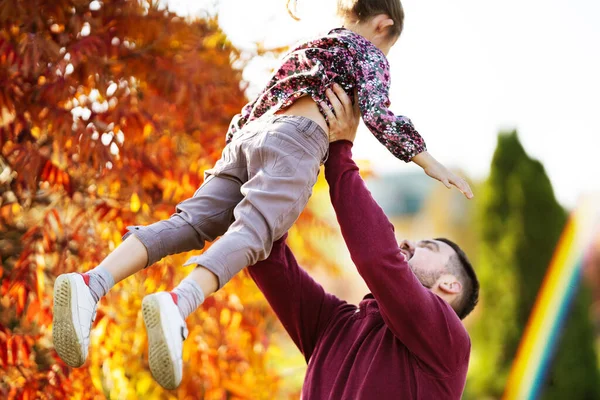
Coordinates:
<point>436,170</point>
<point>344,123</point>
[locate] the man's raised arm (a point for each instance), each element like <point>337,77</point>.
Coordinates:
<point>301,304</point>
<point>419,318</point>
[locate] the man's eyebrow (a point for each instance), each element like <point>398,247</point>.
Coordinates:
<point>432,243</point>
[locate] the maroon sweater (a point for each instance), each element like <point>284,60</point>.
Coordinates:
<point>401,342</point>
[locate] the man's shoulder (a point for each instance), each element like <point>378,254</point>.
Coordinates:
<point>448,321</point>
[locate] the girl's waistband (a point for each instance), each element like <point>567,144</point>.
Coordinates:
<point>303,124</point>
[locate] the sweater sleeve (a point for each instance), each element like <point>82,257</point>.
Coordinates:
<point>301,304</point>
<point>420,319</point>
<point>395,132</point>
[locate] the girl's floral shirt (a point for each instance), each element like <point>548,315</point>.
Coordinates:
<point>352,61</point>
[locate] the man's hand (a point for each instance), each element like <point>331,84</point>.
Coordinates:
<point>344,123</point>
<point>436,170</point>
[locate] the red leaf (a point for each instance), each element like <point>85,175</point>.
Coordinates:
<point>15,350</point>
<point>21,297</point>
<point>51,174</point>
<point>57,218</point>
<point>104,209</point>
<point>25,353</point>
<point>46,171</point>
<point>67,184</point>
<point>4,354</point>
<point>39,282</point>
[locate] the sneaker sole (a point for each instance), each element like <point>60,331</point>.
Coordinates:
<point>64,336</point>
<point>161,366</point>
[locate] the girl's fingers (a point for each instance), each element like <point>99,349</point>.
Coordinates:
<point>468,192</point>
<point>463,186</point>
<point>466,189</point>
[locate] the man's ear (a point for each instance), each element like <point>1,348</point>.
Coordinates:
<point>449,284</point>
<point>381,23</point>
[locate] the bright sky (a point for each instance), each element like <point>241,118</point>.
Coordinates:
<point>464,70</point>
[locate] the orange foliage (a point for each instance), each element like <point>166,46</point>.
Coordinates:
<point>108,118</point>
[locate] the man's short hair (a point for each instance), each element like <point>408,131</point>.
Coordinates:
<point>461,267</point>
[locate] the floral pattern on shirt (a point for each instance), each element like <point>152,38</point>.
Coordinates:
<point>350,60</point>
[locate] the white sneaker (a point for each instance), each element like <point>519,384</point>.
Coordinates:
<point>73,314</point>
<point>166,331</point>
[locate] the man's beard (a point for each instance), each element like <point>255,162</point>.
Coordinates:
<point>427,278</point>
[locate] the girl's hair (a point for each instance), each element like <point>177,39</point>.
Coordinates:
<point>289,10</point>
<point>363,10</point>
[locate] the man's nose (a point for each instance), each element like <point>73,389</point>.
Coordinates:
<point>407,244</point>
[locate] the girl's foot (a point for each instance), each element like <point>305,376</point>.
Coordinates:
<point>73,314</point>
<point>166,331</point>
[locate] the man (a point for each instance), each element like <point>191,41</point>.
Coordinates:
<point>405,339</point>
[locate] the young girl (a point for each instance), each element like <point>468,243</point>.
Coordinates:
<point>258,188</point>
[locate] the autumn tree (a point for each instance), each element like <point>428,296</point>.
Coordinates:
<point>109,114</point>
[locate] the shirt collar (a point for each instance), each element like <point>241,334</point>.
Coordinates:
<point>360,38</point>
<point>369,296</point>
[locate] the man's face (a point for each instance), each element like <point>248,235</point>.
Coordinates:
<point>427,259</point>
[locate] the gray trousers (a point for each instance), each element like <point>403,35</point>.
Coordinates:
<point>252,196</point>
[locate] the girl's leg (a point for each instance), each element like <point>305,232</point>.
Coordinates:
<point>203,217</point>
<point>199,219</point>
<point>190,293</point>
<point>127,259</point>
<point>283,164</point>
